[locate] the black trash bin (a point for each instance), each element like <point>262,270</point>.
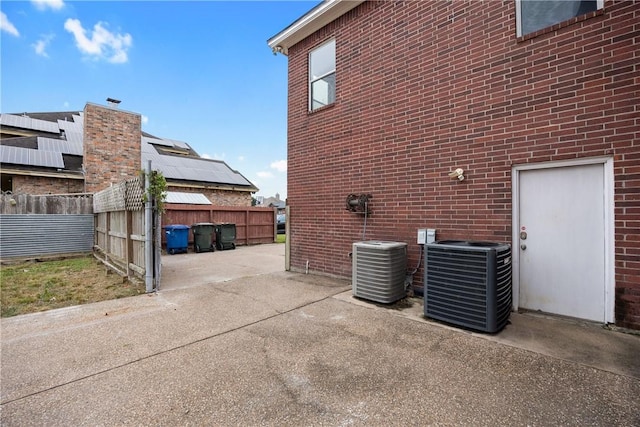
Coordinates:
<point>203,237</point>
<point>225,236</point>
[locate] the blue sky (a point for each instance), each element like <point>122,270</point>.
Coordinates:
<point>199,71</point>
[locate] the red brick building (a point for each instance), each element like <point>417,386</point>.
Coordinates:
<point>538,106</point>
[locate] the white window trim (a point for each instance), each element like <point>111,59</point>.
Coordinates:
<point>600,5</point>
<point>311,81</point>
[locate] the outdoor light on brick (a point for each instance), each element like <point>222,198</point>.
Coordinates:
<point>458,173</point>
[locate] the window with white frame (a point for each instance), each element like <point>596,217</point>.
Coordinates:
<point>322,75</point>
<point>534,15</point>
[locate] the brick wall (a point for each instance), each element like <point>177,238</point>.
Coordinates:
<point>111,146</point>
<point>218,197</point>
<point>42,185</point>
<point>425,87</point>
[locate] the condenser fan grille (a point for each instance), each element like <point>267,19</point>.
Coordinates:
<point>468,285</point>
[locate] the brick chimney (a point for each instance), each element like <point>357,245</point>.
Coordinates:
<point>112,146</point>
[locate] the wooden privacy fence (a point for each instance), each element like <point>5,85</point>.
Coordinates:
<point>120,227</point>
<point>253,225</point>
<point>57,204</point>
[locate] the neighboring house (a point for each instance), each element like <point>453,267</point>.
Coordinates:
<point>86,151</point>
<point>537,102</point>
<point>274,202</point>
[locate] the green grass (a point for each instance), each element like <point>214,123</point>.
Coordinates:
<point>281,238</point>
<point>29,287</point>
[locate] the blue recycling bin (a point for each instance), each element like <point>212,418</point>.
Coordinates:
<point>177,238</point>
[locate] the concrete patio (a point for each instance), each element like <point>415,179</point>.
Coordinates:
<point>231,339</point>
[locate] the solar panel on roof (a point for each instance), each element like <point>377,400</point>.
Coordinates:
<point>157,141</point>
<point>71,128</point>
<point>146,147</point>
<point>26,156</point>
<point>74,137</point>
<point>175,143</point>
<point>46,159</point>
<point>198,170</point>
<point>7,154</point>
<point>154,157</point>
<point>28,123</point>
<point>59,146</point>
<point>174,167</point>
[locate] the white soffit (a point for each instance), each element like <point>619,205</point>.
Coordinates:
<point>321,15</point>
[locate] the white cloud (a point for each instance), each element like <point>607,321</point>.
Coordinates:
<point>44,4</point>
<point>102,44</point>
<point>264,174</point>
<point>7,26</point>
<point>145,119</point>
<point>280,165</point>
<point>41,45</point>
<point>206,156</point>
<point>241,158</point>
<point>66,104</point>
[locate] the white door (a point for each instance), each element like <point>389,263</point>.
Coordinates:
<point>561,240</point>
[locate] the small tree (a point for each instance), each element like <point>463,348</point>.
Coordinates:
<point>157,190</point>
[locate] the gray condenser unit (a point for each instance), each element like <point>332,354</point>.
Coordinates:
<point>468,284</point>
<point>379,270</point>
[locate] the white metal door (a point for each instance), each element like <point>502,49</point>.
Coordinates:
<point>561,240</point>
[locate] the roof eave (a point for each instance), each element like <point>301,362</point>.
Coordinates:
<point>9,170</point>
<point>211,185</point>
<point>312,21</point>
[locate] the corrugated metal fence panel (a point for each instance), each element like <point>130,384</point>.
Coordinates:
<point>44,235</point>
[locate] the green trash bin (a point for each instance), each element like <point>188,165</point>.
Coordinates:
<point>203,237</point>
<point>225,236</point>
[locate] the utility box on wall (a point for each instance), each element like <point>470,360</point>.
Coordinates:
<point>426,235</point>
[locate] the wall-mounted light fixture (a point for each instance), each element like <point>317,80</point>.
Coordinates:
<point>458,173</point>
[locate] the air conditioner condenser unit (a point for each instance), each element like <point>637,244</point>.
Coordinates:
<point>468,284</point>
<point>379,270</point>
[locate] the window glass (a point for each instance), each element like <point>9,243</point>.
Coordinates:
<point>538,14</point>
<point>322,75</point>
<point>323,91</point>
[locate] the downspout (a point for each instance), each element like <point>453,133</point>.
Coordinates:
<point>148,232</point>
